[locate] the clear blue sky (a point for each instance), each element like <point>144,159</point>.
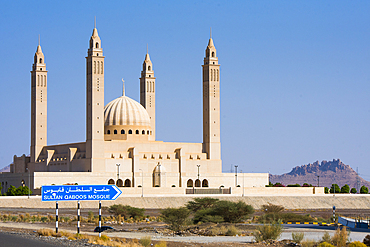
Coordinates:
<point>295,77</point>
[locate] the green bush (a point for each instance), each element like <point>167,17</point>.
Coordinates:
<point>297,237</point>
<point>206,215</point>
<point>232,211</point>
<point>326,190</point>
<point>364,190</point>
<point>344,189</point>
<point>20,191</point>
<point>325,244</point>
<point>268,231</point>
<point>357,244</point>
<point>176,218</point>
<point>353,191</point>
<point>293,185</point>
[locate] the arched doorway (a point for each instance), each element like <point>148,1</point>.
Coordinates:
<point>205,183</point>
<point>127,183</point>
<point>110,181</point>
<point>119,183</point>
<point>189,183</point>
<point>158,174</point>
<point>197,183</point>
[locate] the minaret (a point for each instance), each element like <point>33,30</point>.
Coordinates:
<point>147,91</point>
<point>211,103</point>
<point>95,104</point>
<point>38,104</point>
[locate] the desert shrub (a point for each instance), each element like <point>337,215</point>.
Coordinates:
<point>364,190</point>
<point>145,241</point>
<point>126,211</point>
<point>272,208</point>
<point>44,219</point>
<point>344,189</point>
<point>353,191</point>
<point>340,237</point>
<point>284,217</point>
<point>326,238</point>
<point>357,244</point>
<point>104,237</point>
<point>201,203</point>
<point>297,237</point>
<point>268,231</point>
<point>367,240</point>
<point>232,231</point>
<point>326,190</point>
<point>325,244</point>
<point>176,218</point>
<point>161,244</point>
<point>307,185</point>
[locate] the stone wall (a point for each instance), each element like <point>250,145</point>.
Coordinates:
<point>323,201</point>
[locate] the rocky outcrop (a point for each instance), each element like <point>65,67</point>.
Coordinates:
<point>325,173</point>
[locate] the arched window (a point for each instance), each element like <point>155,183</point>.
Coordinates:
<point>119,183</point>
<point>108,132</point>
<point>149,68</point>
<point>143,132</point>
<point>38,80</point>
<point>115,132</point>
<point>211,74</point>
<point>45,81</point>
<point>213,54</point>
<point>98,68</point>
<point>101,71</point>
<point>205,183</point>
<point>218,75</point>
<point>147,132</point>
<point>122,132</point>
<point>189,183</point>
<point>197,183</point>
<point>147,86</point>
<point>94,67</point>
<point>97,45</point>
<point>111,181</point>
<point>40,60</point>
<point>130,132</point>
<point>137,132</point>
<point>127,183</point>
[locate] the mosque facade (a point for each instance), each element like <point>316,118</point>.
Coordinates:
<point>121,146</point>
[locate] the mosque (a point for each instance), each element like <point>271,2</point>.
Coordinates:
<point>121,146</point>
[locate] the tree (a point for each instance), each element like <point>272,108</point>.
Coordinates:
<point>126,211</point>
<point>364,190</point>
<point>353,191</point>
<point>232,211</point>
<point>201,203</point>
<point>344,189</point>
<point>176,218</point>
<point>337,189</point>
<point>326,190</point>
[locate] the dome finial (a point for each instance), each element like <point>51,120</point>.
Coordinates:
<point>123,87</point>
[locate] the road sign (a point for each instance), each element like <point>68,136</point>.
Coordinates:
<point>80,192</point>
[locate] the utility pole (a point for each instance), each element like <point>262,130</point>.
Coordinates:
<point>318,181</point>
<point>236,175</point>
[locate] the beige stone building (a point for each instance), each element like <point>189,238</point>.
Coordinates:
<point>121,147</point>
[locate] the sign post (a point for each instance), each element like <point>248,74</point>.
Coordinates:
<point>79,193</point>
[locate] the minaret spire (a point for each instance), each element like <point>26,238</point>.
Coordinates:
<point>123,87</point>
<point>39,39</point>
<point>94,22</point>
<point>210,33</point>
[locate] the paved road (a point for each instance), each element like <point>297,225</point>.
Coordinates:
<point>10,240</point>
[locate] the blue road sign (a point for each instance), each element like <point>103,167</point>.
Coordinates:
<point>79,192</point>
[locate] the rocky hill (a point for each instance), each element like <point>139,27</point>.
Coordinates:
<point>5,169</point>
<point>329,172</point>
